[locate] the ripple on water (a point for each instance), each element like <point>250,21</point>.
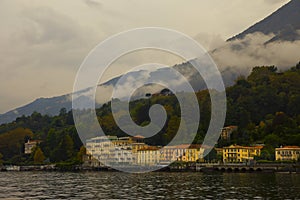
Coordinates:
<point>108,185</point>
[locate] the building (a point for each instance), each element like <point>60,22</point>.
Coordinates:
<point>148,156</point>
<point>137,144</point>
<point>99,149</point>
<point>30,145</point>
<point>124,151</point>
<point>111,150</point>
<point>291,153</point>
<point>182,153</point>
<point>121,155</point>
<point>236,153</point>
<point>227,131</point>
<point>91,161</point>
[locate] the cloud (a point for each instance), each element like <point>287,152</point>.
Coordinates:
<point>240,56</point>
<point>40,57</point>
<point>138,83</point>
<point>103,94</point>
<point>273,1</point>
<point>43,43</point>
<point>210,41</point>
<point>93,3</point>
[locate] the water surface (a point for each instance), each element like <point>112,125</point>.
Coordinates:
<point>115,185</point>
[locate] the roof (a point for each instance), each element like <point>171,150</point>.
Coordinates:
<point>139,136</point>
<point>33,141</point>
<point>243,147</point>
<point>184,146</point>
<point>149,148</point>
<point>288,147</point>
<point>230,127</point>
<point>105,138</point>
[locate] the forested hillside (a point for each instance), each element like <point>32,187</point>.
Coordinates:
<point>265,106</point>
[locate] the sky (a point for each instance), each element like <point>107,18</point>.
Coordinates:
<point>43,43</point>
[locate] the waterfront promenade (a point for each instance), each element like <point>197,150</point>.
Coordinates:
<point>184,167</point>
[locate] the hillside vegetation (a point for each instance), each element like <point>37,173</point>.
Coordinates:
<point>265,106</point>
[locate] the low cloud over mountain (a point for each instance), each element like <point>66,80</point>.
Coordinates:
<point>272,41</point>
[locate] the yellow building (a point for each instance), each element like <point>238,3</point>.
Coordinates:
<point>126,149</point>
<point>183,153</point>
<point>137,143</point>
<point>148,156</point>
<point>236,153</point>
<point>287,153</point>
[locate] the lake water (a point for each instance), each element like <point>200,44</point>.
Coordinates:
<point>115,185</point>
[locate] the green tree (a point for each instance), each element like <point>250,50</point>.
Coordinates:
<point>81,153</point>
<point>267,153</point>
<point>63,112</point>
<point>51,141</point>
<point>211,156</point>
<point>172,129</point>
<point>12,142</point>
<point>1,161</point>
<point>273,140</point>
<point>298,66</point>
<point>66,150</point>
<point>38,157</point>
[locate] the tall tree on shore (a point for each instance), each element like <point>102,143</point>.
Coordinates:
<point>38,157</point>
<point>81,153</point>
<point>66,148</point>
<point>1,161</point>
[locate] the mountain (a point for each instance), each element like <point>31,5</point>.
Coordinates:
<point>284,24</point>
<point>52,106</point>
<point>49,106</point>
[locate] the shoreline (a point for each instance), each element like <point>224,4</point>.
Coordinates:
<point>193,167</point>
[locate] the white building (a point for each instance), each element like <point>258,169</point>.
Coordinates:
<point>30,145</point>
<point>111,150</point>
<point>100,148</point>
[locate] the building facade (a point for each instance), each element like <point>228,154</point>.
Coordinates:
<point>30,145</point>
<point>124,151</point>
<point>148,156</point>
<point>287,153</point>
<point>111,150</point>
<point>227,131</point>
<point>99,149</point>
<point>237,154</point>
<point>181,153</point>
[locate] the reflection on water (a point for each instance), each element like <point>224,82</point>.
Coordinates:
<point>113,185</point>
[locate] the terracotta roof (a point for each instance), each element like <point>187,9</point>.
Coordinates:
<point>184,146</point>
<point>231,127</point>
<point>149,148</point>
<point>139,136</point>
<point>243,147</point>
<point>289,147</point>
